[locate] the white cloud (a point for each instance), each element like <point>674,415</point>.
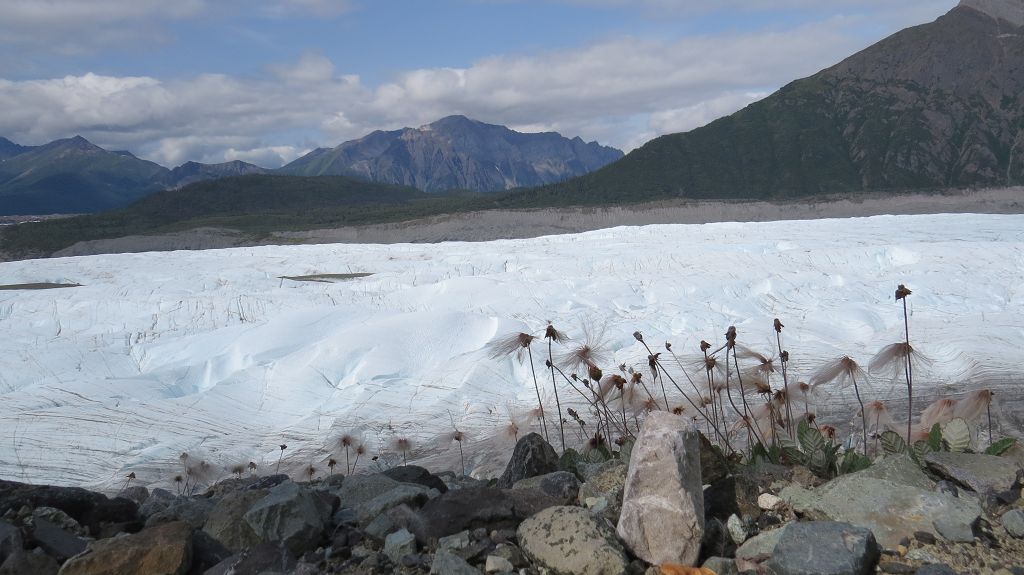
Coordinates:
<point>619,91</point>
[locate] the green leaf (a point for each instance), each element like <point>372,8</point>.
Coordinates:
<point>920,449</point>
<point>759,453</point>
<point>811,441</point>
<point>935,438</point>
<point>791,452</point>
<point>597,455</point>
<point>853,461</point>
<point>892,442</point>
<point>957,435</point>
<point>1002,446</point>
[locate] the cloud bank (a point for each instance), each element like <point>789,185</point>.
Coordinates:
<point>620,91</point>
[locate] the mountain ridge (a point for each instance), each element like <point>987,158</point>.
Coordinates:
<point>457,152</point>
<point>73,175</point>
<point>934,106</point>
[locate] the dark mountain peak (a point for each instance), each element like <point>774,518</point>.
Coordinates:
<point>9,149</point>
<point>191,172</point>
<point>124,153</point>
<point>1011,11</point>
<point>76,143</point>
<point>457,153</point>
<point>455,121</point>
<point>934,106</point>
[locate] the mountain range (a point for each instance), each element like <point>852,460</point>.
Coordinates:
<point>935,106</point>
<point>932,107</point>
<point>454,153</point>
<point>457,153</point>
<point>75,176</point>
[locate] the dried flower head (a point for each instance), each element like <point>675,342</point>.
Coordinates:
<point>841,372</point>
<point>512,344</point>
<point>554,335</point>
<point>283,447</point>
<point>638,336</point>
<point>704,346</point>
<point>902,292</point>
<point>972,406</point>
<point>778,326</point>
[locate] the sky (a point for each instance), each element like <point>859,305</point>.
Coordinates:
<point>266,81</point>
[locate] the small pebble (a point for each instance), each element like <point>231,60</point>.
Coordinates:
<point>769,502</point>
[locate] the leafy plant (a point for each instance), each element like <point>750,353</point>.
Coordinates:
<point>820,454</point>
<point>1000,447</point>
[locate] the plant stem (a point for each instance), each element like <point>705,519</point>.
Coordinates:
<point>909,371</point>
<point>785,380</point>
<point>988,410</point>
<point>743,394</point>
<point>540,404</point>
<point>558,403</point>
<point>863,415</point>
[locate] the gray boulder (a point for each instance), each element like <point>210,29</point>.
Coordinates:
<point>358,489</point>
<point>418,475</point>
<point>662,518</point>
<point>191,510</point>
<point>1013,522</point>
<point>226,522</point>
<point>979,472</point>
<point>478,507</point>
<point>58,543</point>
<point>608,483</point>
<point>954,530</point>
<point>399,544</point>
<point>448,563</point>
<point>289,515</point>
<point>560,485</point>
<point>761,544</point>
<point>891,510</point>
<point>163,549</point>
<point>721,566</point>
<point>263,559</point>
<point>899,469</point>
<point>404,493</point>
<point>10,540</point>
<point>825,548</point>
<point>531,457</point>
<point>29,562</point>
<point>569,541</point>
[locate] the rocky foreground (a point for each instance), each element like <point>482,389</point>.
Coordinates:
<point>676,505</point>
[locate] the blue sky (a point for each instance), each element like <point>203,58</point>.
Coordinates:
<point>268,80</point>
